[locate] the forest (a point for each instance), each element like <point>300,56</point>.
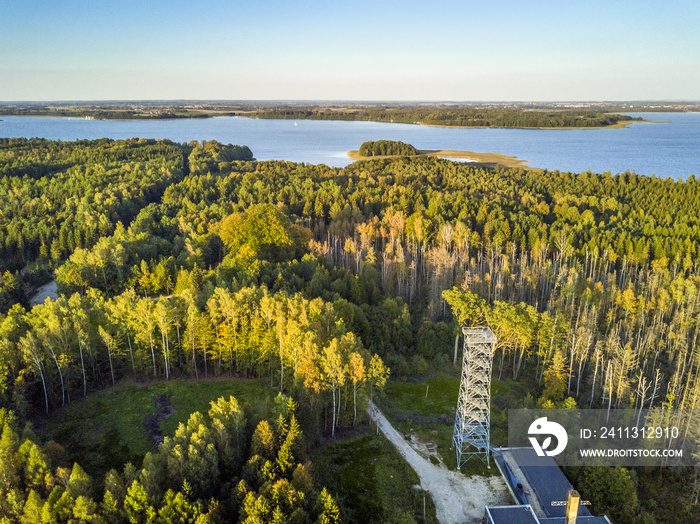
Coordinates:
<point>459,117</point>
<point>196,261</point>
<point>105,112</point>
<point>495,114</point>
<point>386,148</point>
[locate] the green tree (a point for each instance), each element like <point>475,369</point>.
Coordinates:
<point>263,441</point>
<point>136,505</point>
<point>555,379</point>
<point>227,423</point>
<point>286,459</point>
<point>329,512</point>
<point>176,509</point>
<point>263,231</point>
<point>32,508</point>
<point>36,466</point>
<point>378,374</point>
<point>357,375</point>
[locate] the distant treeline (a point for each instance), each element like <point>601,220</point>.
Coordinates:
<point>387,147</point>
<point>463,117</point>
<point>105,114</point>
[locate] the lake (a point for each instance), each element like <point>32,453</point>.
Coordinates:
<point>666,149</point>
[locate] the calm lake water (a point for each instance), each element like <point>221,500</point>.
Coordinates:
<point>665,150</point>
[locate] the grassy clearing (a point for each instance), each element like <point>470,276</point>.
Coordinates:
<point>106,429</point>
<point>371,481</point>
<point>410,410</point>
<point>411,398</point>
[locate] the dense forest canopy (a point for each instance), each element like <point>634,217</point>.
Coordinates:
<point>218,467</point>
<point>325,281</point>
<point>58,196</point>
<point>387,148</point>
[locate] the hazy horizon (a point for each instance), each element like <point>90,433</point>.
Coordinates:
<point>346,101</point>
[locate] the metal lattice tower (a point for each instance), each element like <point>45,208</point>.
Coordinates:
<point>472,430</point>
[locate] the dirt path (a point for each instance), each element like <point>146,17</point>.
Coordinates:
<point>164,409</point>
<point>45,291</point>
<point>458,499</point>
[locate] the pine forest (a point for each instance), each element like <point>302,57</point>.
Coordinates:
<point>315,290</point>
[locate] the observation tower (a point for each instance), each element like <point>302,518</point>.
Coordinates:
<point>472,431</point>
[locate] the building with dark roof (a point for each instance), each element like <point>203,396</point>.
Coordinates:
<point>542,493</point>
<point>521,514</point>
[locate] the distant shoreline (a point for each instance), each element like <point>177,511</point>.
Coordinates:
<point>119,118</point>
<point>618,125</point>
<point>220,113</point>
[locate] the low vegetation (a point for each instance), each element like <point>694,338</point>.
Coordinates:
<point>371,481</point>
<point>106,429</point>
<point>426,408</point>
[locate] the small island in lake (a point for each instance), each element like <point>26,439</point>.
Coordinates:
<point>387,148</point>
<point>380,149</point>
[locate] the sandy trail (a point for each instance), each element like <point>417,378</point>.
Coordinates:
<point>44,292</point>
<point>458,499</point>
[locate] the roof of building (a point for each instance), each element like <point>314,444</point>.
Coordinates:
<point>510,515</point>
<point>547,480</point>
<point>523,514</point>
<point>537,483</point>
<point>579,520</point>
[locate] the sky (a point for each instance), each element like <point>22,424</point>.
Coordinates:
<point>353,50</point>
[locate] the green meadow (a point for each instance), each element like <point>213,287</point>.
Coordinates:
<point>106,429</point>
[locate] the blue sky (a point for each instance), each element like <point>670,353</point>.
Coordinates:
<point>442,50</point>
